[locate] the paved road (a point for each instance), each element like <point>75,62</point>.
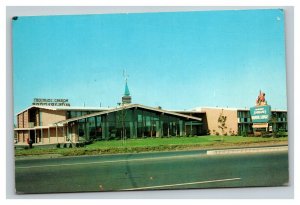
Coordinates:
<point>167,170</point>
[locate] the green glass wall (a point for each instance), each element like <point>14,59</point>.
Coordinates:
<point>136,123</point>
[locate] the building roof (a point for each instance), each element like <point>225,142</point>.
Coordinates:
<point>128,107</point>
<point>217,108</point>
<point>188,111</point>
<point>227,108</point>
<point>68,108</point>
<point>275,110</point>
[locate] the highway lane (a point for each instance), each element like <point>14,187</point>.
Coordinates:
<point>165,170</point>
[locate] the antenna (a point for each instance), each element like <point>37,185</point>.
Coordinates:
<point>125,75</point>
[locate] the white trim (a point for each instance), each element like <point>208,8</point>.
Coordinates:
<point>67,108</point>
<point>128,107</point>
<point>181,184</point>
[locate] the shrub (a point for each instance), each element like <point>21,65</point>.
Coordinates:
<point>65,145</point>
<point>266,134</point>
<point>280,134</point>
<point>58,145</point>
<point>217,133</point>
<point>70,146</point>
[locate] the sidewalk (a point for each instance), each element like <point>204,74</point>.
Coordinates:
<point>247,150</point>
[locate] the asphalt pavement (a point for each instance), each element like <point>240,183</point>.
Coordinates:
<point>149,171</point>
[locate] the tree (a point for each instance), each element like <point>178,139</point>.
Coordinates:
<point>273,122</point>
<point>222,123</point>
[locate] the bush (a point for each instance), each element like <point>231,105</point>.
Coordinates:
<point>244,134</point>
<point>281,134</point>
<point>70,146</point>
<point>58,145</point>
<point>217,133</point>
<point>266,134</point>
<point>233,134</point>
<point>275,134</point>
<point>65,145</point>
<point>88,142</point>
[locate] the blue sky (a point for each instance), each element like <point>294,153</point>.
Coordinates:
<point>176,60</point>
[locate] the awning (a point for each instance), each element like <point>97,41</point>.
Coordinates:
<point>260,125</point>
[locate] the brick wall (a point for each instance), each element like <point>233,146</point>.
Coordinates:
<point>26,135</point>
<point>212,115</point>
<point>25,118</point>
<point>37,118</point>
<point>20,121</point>
<point>52,116</point>
<point>20,136</point>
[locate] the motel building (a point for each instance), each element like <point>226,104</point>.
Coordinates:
<point>53,121</point>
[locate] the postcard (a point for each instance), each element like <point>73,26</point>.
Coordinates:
<point>150,101</point>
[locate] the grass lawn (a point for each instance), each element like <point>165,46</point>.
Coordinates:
<point>156,144</point>
<point>200,140</point>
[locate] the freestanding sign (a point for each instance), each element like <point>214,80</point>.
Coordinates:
<point>260,114</point>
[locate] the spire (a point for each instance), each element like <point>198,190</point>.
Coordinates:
<point>126,99</point>
<point>126,93</point>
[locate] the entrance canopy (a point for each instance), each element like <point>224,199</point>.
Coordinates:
<point>260,125</point>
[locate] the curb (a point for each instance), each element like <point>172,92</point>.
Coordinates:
<point>247,150</point>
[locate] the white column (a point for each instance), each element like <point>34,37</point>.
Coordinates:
<point>64,133</point>
<point>56,133</point>
<point>49,133</point>
<point>35,135</point>
<point>42,140</point>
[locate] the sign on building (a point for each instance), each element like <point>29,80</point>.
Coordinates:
<point>50,102</point>
<point>260,114</point>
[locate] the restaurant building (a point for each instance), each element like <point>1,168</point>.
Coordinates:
<point>52,121</point>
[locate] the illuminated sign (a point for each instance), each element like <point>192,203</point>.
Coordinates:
<point>50,102</point>
<point>260,114</point>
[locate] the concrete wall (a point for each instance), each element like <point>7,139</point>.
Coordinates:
<point>51,116</point>
<point>212,115</point>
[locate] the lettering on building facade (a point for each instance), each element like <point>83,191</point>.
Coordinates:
<point>50,102</point>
